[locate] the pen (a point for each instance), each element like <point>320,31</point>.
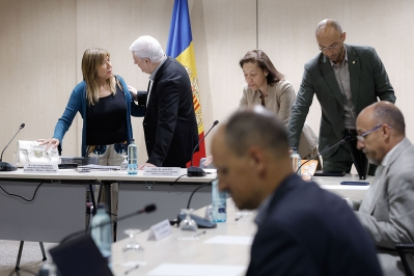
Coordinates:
<point>200,233</point>
<point>131,269</point>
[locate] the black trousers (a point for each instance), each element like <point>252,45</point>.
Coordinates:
<point>346,155</point>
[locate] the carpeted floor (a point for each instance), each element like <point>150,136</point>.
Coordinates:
<point>30,262</point>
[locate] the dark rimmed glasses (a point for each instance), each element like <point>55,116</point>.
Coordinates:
<point>361,137</point>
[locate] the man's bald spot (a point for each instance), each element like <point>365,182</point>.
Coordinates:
<point>386,112</point>
<point>328,23</point>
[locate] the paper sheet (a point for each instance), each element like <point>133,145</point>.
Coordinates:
<point>237,240</point>
<point>197,270</point>
<point>344,187</point>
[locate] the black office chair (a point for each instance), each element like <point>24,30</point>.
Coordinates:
<point>405,250</point>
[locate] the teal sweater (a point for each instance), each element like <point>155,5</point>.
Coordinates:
<point>78,103</point>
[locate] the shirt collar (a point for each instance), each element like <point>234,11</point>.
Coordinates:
<point>385,162</point>
<point>152,76</point>
<point>264,206</point>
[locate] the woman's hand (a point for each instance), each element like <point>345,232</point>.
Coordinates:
<point>208,161</point>
<point>49,142</point>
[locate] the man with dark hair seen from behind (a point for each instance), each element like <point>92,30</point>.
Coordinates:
<point>346,79</point>
<point>387,210</point>
<point>302,229</point>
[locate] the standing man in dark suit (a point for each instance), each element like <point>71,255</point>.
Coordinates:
<point>302,229</point>
<point>170,125</point>
<point>345,79</point>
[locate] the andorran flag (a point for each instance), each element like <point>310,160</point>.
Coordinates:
<point>180,47</point>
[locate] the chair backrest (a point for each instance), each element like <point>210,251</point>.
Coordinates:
<point>405,250</point>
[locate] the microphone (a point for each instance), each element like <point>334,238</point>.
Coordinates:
<point>343,141</point>
<point>4,166</point>
<point>148,209</point>
<point>196,171</point>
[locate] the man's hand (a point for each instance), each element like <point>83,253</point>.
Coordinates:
<point>133,92</point>
<point>145,165</point>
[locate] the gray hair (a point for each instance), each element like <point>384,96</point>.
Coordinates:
<point>388,113</point>
<point>328,23</point>
<point>257,127</point>
<point>147,47</point>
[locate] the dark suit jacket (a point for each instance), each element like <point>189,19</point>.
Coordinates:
<point>369,81</point>
<point>306,230</point>
<point>170,125</point>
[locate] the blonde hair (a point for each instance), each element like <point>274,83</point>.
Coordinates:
<point>92,58</point>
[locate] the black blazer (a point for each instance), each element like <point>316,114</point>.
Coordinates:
<point>306,230</point>
<point>170,125</point>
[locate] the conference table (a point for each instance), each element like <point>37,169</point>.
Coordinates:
<point>224,250</point>
<point>58,206</point>
<point>55,204</point>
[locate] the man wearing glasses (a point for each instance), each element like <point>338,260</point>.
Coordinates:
<point>345,79</point>
<point>387,210</point>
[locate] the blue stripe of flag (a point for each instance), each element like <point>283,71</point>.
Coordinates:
<point>180,35</point>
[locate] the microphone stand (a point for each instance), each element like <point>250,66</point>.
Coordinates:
<point>196,171</point>
<point>349,138</point>
<point>201,222</point>
<point>4,166</point>
<point>148,209</point>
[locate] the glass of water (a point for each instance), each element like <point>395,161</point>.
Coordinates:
<point>188,227</point>
<point>133,253</point>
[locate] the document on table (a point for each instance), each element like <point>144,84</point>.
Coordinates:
<point>197,270</point>
<point>341,187</point>
<point>99,167</point>
<point>237,240</point>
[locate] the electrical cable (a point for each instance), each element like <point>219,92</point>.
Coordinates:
<point>28,200</point>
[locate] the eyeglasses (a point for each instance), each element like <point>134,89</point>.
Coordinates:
<point>365,134</point>
<point>332,47</point>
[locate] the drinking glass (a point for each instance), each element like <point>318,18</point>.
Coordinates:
<point>188,227</point>
<point>307,176</point>
<point>124,164</point>
<point>132,252</point>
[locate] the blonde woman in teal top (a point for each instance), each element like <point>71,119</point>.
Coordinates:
<point>104,102</point>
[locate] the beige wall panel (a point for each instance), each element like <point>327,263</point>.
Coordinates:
<point>286,34</point>
<point>114,25</point>
<point>38,54</point>
<point>223,31</point>
<point>42,43</point>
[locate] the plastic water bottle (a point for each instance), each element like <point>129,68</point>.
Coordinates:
<point>132,158</point>
<point>219,202</point>
<point>102,231</point>
<point>48,268</point>
<point>296,161</point>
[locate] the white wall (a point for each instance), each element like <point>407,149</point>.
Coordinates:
<point>42,42</point>
<point>288,38</point>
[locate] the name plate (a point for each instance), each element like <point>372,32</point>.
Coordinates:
<point>162,171</point>
<point>160,230</point>
<point>41,168</point>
